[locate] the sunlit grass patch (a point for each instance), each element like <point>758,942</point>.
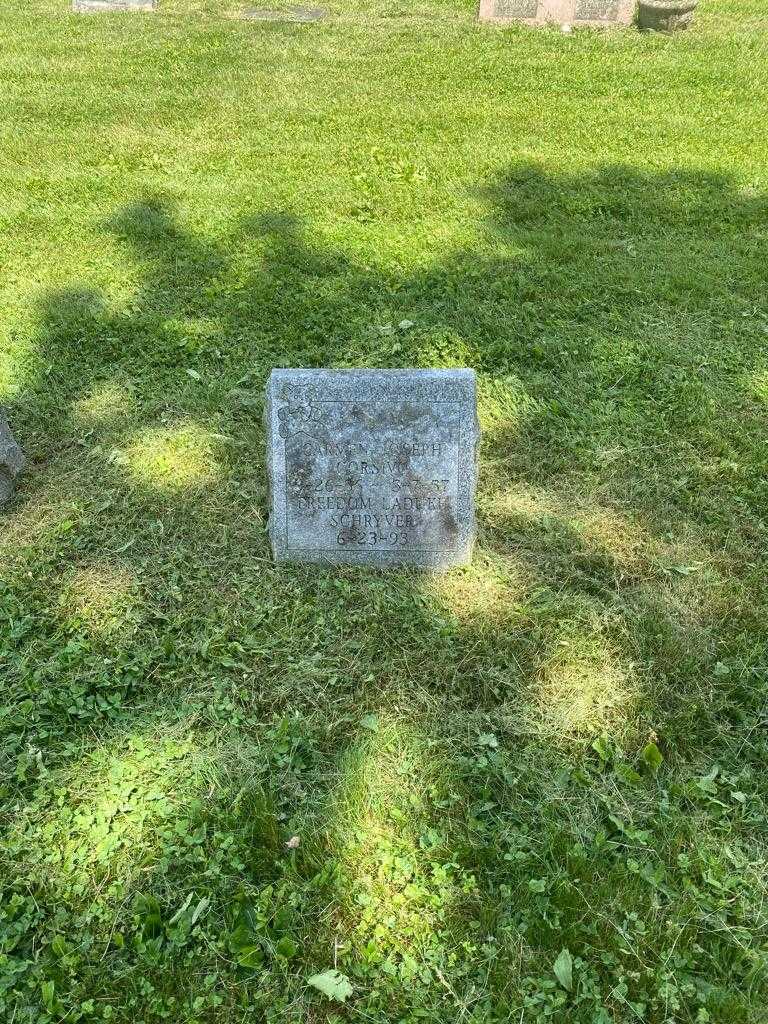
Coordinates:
<point>99,597</point>
<point>691,583</point>
<point>92,835</point>
<point>758,385</point>
<point>400,888</point>
<point>381,778</point>
<point>16,351</point>
<point>485,594</point>
<point>103,405</point>
<point>504,405</point>
<point>172,459</point>
<point>191,334</point>
<point>39,519</point>
<point>442,349</point>
<point>566,520</point>
<point>583,688</point>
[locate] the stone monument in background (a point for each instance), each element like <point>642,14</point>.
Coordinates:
<point>571,12</point>
<point>372,466</point>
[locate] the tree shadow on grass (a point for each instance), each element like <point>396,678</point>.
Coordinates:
<point>411,728</point>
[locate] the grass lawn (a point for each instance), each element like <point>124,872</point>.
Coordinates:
<point>531,790</point>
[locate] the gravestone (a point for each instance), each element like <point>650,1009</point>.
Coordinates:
<point>372,466</point>
<point>300,14</point>
<point>11,460</point>
<point>571,12</point>
<point>99,6</point>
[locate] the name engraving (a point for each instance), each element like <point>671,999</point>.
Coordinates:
<point>516,8</point>
<point>377,489</point>
<point>542,12</point>
<point>597,10</point>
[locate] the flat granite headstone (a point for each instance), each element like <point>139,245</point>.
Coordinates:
<point>372,466</point>
<point>571,12</point>
<point>302,14</point>
<point>99,6</point>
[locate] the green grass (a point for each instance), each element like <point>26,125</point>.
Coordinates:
<point>471,763</point>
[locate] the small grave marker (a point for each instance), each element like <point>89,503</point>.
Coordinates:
<point>105,6</point>
<point>299,14</point>
<point>11,460</point>
<point>372,466</point>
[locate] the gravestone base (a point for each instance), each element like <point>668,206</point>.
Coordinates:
<point>666,15</point>
<point>572,12</point>
<point>104,6</point>
<point>374,467</point>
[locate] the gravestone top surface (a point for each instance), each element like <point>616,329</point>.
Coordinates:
<point>375,467</point>
<point>301,14</point>
<point>99,6</point>
<point>571,12</point>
